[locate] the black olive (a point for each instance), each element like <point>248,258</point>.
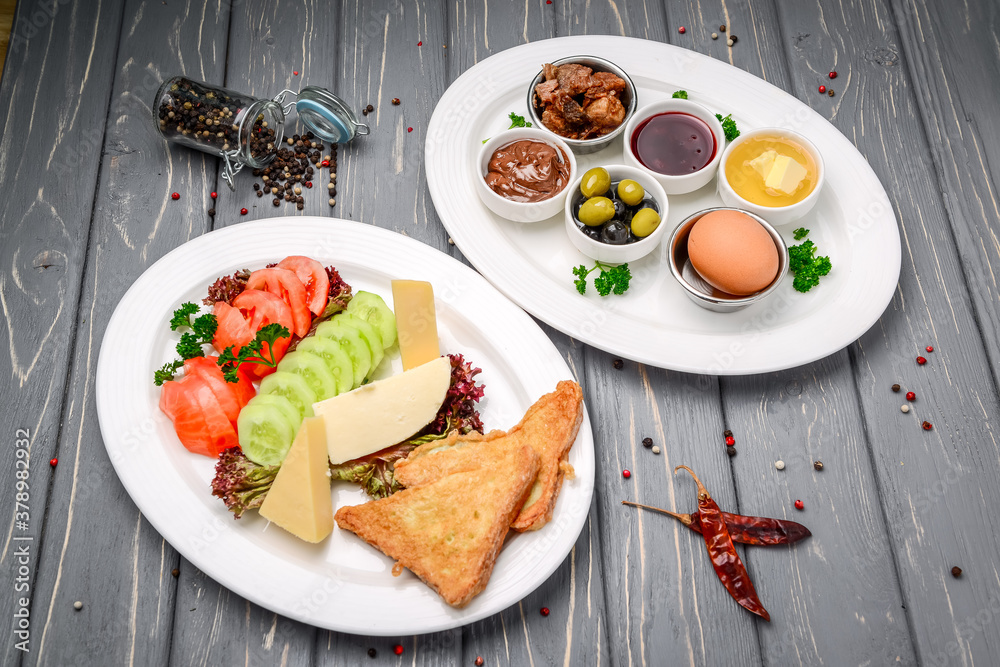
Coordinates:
<point>615,233</point>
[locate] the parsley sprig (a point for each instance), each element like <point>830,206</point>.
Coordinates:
<point>252,352</point>
<point>610,279</point>
<point>517,121</point>
<point>804,264</point>
<point>190,345</point>
<point>680,95</point>
<point>728,124</point>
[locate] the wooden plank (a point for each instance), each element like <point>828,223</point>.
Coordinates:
<point>48,162</point>
<point>936,487</point>
<point>97,548</point>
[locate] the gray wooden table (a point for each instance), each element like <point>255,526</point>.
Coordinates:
<point>85,185</point>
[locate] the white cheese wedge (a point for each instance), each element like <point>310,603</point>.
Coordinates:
<point>299,500</point>
<point>413,302</point>
<point>377,415</point>
<point>785,176</point>
<point>762,163</point>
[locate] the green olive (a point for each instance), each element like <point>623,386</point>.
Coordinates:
<point>645,222</point>
<point>595,182</point>
<point>596,211</point>
<point>630,192</point>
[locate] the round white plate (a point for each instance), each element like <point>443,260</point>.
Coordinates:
<point>342,584</point>
<point>654,322</point>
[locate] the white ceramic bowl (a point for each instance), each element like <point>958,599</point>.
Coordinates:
<point>628,100</point>
<point>776,215</point>
<point>677,185</point>
<point>515,210</point>
<point>618,254</point>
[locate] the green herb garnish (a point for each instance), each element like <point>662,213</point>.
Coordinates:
<point>804,264</point>
<point>517,121</point>
<point>680,95</point>
<point>251,353</point>
<point>728,126</point>
<point>190,345</point>
<point>610,279</point>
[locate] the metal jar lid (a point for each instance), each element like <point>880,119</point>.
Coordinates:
<point>325,114</point>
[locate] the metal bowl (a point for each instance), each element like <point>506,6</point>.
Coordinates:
<point>695,286</point>
<point>628,99</point>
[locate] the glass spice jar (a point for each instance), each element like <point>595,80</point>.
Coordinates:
<point>242,129</point>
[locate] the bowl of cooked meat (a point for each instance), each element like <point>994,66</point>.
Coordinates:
<point>584,100</point>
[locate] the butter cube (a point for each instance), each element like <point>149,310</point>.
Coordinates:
<point>762,163</point>
<point>785,176</point>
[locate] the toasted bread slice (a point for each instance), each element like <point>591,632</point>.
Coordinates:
<point>450,531</point>
<point>549,427</point>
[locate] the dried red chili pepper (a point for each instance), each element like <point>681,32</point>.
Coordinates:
<point>753,530</point>
<point>728,566</point>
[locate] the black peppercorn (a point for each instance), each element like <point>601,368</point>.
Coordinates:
<point>818,465</point>
<point>647,442</point>
<point>731,451</point>
<point>895,388</point>
<point>372,653</point>
<point>618,364</point>
<point>727,433</point>
<point>211,212</point>
<point>176,573</point>
<point>722,28</point>
<point>734,38</point>
<point>956,572</point>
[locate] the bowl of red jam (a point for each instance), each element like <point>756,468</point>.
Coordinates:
<point>677,142</point>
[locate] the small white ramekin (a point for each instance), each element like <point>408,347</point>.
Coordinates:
<point>677,185</point>
<point>516,210</point>
<point>776,215</point>
<point>618,254</point>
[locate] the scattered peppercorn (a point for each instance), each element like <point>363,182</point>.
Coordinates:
<point>214,195</point>
<point>895,388</point>
<point>818,465</point>
<point>833,75</point>
<point>730,441</point>
<point>53,462</point>
<point>722,28</point>
<point>904,408</point>
<point>830,92</point>
<point>78,605</point>
<point>295,72</point>
<point>727,433</point>
<point>175,196</point>
<point>715,35</point>
<point>395,101</point>
<point>618,364</point>
<point>956,572</point>
<point>626,474</point>
<point>910,396</point>
<point>930,348</point>
<point>779,464</point>
<point>647,442</point>
<point>243,211</point>
<point>175,573</point>
<point>409,129</point>
<point>799,505</point>
<point>372,653</point>
<point>325,163</point>
<point>420,43</point>
<point>276,201</point>
<point>332,202</point>
<point>544,611</point>
<point>729,42</point>
<point>309,184</point>
<point>398,649</point>
<point>733,38</point>
<point>731,451</point>
<point>822,89</point>
<point>927,426</point>
<point>656,449</point>
<point>369,108</point>
<point>479,661</point>
<point>682,30</point>
<point>921,361</point>
<point>211,212</point>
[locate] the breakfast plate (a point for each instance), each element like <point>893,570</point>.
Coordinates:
<point>341,584</point>
<point>654,322</point>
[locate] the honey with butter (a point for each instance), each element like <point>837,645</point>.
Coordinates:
<point>771,171</point>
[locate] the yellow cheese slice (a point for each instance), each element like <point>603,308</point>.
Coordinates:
<point>785,175</point>
<point>299,500</point>
<point>413,303</point>
<point>381,414</point>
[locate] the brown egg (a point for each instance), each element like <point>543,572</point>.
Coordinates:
<point>733,252</point>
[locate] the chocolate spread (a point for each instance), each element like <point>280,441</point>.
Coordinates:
<point>528,171</point>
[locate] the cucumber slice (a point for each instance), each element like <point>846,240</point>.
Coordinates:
<point>369,333</point>
<point>292,387</point>
<point>351,342</point>
<point>265,434</point>
<point>336,359</point>
<point>290,412</point>
<point>372,309</point>
<point>313,370</point>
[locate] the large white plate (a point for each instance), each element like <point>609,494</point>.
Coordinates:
<point>342,584</point>
<point>654,322</point>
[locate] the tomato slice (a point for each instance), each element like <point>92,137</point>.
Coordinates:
<point>259,309</point>
<point>285,285</point>
<point>232,396</point>
<point>199,421</point>
<point>313,276</point>
<point>232,331</point>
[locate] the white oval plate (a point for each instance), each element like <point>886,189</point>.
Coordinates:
<point>342,584</point>
<point>654,322</point>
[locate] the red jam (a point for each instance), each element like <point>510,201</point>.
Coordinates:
<point>674,143</point>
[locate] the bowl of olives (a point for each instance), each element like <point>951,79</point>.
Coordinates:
<point>616,214</point>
